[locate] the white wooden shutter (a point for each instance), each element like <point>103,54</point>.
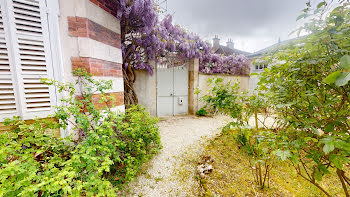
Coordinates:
<point>27,21</point>
<point>8,106</point>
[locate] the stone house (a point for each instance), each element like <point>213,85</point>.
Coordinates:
<point>227,50</point>
<point>49,39</point>
<point>259,66</point>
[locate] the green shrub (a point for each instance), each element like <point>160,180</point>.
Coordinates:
<point>30,157</point>
<point>242,137</point>
<point>259,145</point>
<point>308,87</point>
<point>201,112</point>
<point>107,151</point>
<point>224,97</point>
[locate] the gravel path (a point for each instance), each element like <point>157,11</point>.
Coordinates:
<point>177,135</point>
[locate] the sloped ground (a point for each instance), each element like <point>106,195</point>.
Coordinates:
<point>178,135</point>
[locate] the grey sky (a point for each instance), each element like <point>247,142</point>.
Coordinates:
<point>251,24</point>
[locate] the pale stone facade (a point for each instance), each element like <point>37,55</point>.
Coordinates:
<point>76,46</point>
<point>69,34</point>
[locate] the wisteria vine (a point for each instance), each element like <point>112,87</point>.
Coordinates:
<point>145,38</point>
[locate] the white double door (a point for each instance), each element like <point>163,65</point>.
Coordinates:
<point>172,90</point>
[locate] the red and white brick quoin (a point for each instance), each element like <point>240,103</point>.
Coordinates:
<point>92,26</point>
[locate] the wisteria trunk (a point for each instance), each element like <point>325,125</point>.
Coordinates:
<point>130,97</point>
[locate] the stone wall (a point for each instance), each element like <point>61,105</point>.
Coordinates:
<point>145,87</point>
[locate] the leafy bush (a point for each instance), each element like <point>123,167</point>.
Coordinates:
<point>309,90</point>
<point>242,138</point>
<point>307,87</point>
<point>107,150</point>
<point>201,112</point>
<point>259,145</point>
<point>224,97</point>
<point>31,159</point>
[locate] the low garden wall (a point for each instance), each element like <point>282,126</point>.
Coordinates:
<point>203,85</point>
<point>145,87</point>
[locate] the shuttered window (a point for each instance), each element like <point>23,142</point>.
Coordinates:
<point>25,60</point>
<point>7,93</point>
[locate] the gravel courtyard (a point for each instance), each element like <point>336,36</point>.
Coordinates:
<point>178,134</point>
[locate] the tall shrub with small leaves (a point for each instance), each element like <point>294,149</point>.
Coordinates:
<point>105,152</point>
<point>308,86</point>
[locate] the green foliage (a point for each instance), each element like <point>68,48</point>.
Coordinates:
<point>224,97</point>
<point>243,136</point>
<point>232,172</point>
<point>308,87</point>
<point>260,146</point>
<point>201,112</point>
<point>342,76</point>
<point>107,150</point>
<point>31,158</point>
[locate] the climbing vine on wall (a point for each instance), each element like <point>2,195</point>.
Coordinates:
<point>145,38</point>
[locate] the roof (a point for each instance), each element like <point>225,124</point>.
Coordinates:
<point>275,47</point>
<point>228,51</point>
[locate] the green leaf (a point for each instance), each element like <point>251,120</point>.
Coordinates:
<point>328,147</point>
<point>345,62</point>
<point>303,15</point>
<point>254,74</point>
<point>323,169</point>
<point>321,4</point>
<point>338,160</point>
<point>332,77</point>
<point>318,175</point>
<point>343,79</point>
<point>283,154</point>
<point>295,159</point>
<point>315,131</point>
<point>329,127</point>
<point>299,31</point>
<point>343,145</point>
<point>329,143</point>
<point>310,139</point>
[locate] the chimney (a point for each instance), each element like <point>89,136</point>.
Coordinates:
<point>230,44</point>
<point>216,43</point>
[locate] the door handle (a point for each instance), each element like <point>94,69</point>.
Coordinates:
<point>171,94</point>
